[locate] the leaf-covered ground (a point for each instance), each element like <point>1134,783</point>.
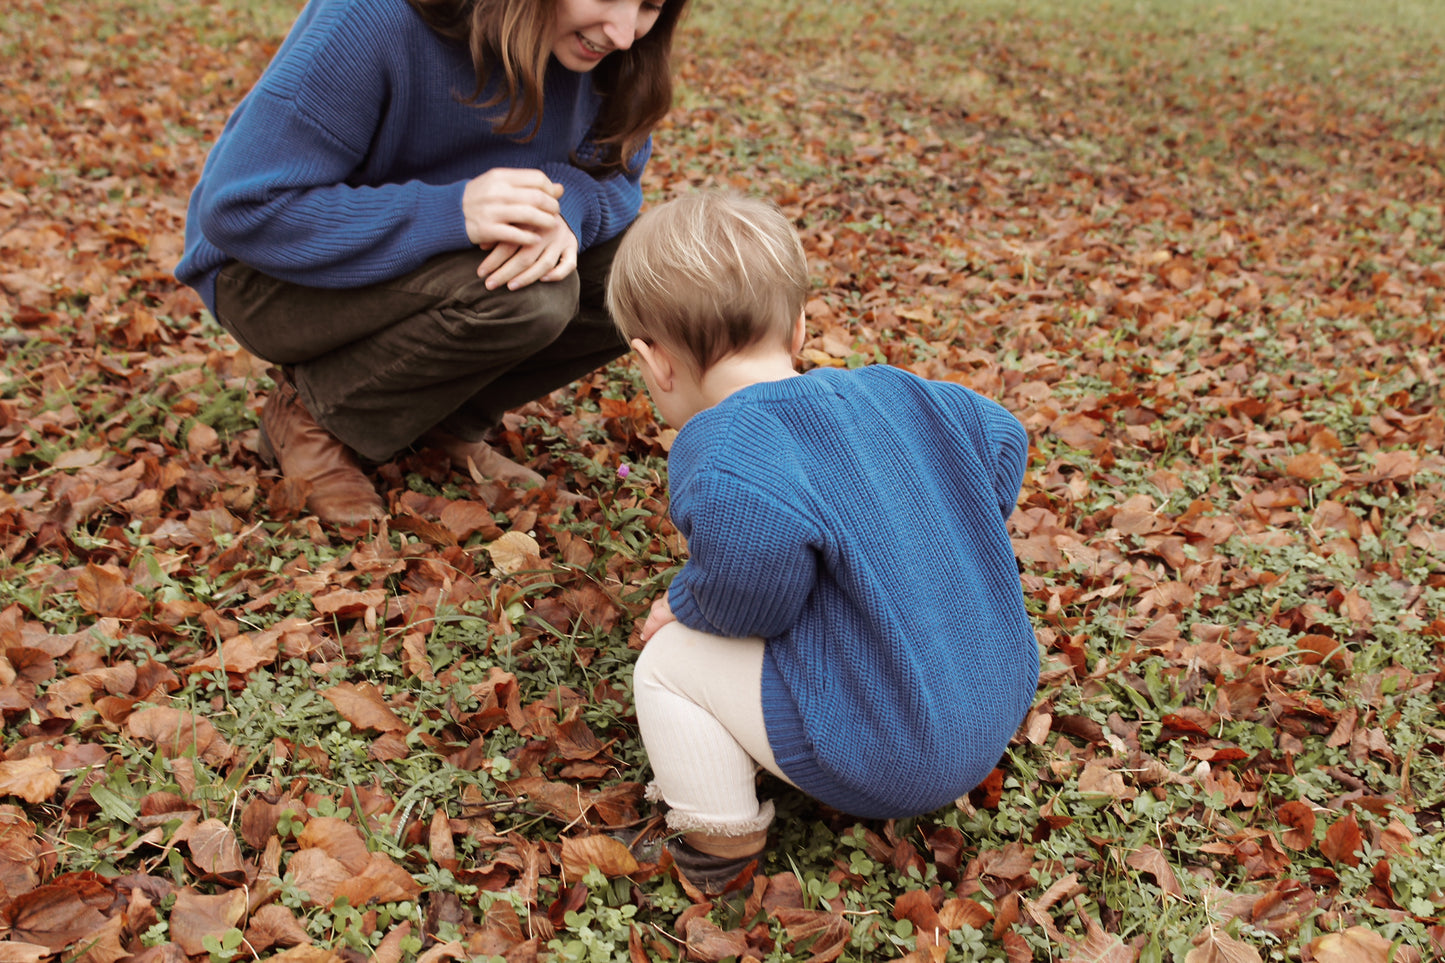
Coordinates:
<point>1203,262</point>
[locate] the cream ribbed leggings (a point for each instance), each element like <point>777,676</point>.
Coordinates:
<point>699,705</point>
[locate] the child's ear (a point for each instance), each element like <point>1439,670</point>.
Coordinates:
<point>800,332</point>
<point>657,361</point>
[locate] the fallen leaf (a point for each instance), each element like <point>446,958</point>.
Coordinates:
<point>1217,946</point>
<point>515,551</point>
<point>32,779</point>
<point>364,706</point>
<point>611,857</point>
<point>1358,944</point>
<point>196,916</point>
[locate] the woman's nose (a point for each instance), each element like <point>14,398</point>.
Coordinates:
<point>621,26</point>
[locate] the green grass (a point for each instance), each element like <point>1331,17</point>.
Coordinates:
<point>1208,230</point>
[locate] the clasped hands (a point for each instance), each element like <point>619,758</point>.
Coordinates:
<point>513,214</point>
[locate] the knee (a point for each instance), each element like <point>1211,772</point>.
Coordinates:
<point>655,664</point>
<point>537,313</point>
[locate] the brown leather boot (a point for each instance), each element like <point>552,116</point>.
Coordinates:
<point>291,439</point>
<point>483,458</point>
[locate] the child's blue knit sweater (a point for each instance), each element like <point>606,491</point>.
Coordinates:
<point>856,521</point>
<point>345,165</point>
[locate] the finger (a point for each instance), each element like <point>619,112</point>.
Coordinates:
<point>520,261</point>
<point>542,216</point>
<point>550,260</point>
<point>531,274</point>
<point>565,266</point>
<point>528,180</point>
<point>495,258</point>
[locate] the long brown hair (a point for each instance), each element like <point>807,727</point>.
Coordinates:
<point>513,37</point>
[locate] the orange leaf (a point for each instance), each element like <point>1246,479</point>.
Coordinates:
<point>610,856</point>
<point>275,925</point>
<point>1219,947</point>
<point>364,707</point>
<point>1355,945</point>
<point>194,917</point>
<point>215,851</point>
<point>710,944</point>
<point>916,907</point>
<point>52,916</point>
<point>1149,860</point>
<point>103,590</point>
<point>33,779</point>
<point>176,733</point>
<point>1343,841</point>
<point>1301,820</point>
<point>383,881</point>
<point>338,839</point>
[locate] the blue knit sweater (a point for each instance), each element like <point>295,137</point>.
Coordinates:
<point>345,164</point>
<point>856,521</point>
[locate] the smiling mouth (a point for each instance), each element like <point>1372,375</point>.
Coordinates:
<point>590,46</point>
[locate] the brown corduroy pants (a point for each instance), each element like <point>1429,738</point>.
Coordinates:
<point>378,366</point>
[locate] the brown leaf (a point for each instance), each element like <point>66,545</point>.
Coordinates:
<point>275,925</point>
<point>382,881</point>
<point>1099,946</point>
<point>364,706</point>
<point>241,654</point>
<point>1357,944</point>
<point>465,519</point>
<point>308,953</point>
<point>1301,820</point>
<point>708,943</point>
<point>439,838</point>
<point>17,951</point>
<point>104,945</point>
<point>829,932</point>
<point>390,949</point>
<point>216,852</point>
<point>956,913</point>
<point>195,917</point>
<point>349,603</point>
<point>1149,860</point>
<point>104,590</point>
<point>610,856</point>
<point>317,875</point>
<point>1217,946</point>
<point>176,733</point>
<point>52,916</point>
<point>515,551</point>
<point>1343,841</point>
<point>32,779</point>
<point>20,852</point>
<point>338,839</point>
<point>916,907</point>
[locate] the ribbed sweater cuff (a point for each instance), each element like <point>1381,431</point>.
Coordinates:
<point>686,610</point>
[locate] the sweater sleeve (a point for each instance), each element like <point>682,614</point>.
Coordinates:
<point>277,198</point>
<point>1005,451</point>
<point>752,559</point>
<point>597,209</point>
<point>1012,457</point>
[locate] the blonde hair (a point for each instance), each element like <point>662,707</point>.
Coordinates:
<point>707,275</point>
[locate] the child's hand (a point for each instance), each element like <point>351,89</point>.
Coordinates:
<point>660,615</point>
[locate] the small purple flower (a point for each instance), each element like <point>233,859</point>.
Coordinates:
<point>623,471</point>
